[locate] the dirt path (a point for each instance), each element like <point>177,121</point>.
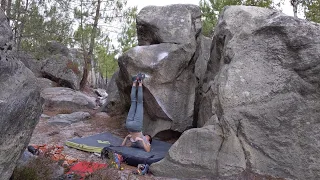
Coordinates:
<point>46,133</point>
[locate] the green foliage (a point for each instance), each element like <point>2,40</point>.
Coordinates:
<point>36,22</point>
<point>71,23</point>
<point>84,34</point>
<point>107,61</point>
<point>211,9</point>
<point>103,53</point>
<point>312,10</point>
<point>259,3</point>
<point>128,35</point>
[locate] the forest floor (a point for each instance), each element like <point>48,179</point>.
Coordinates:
<point>49,134</point>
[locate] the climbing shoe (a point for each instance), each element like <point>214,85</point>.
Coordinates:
<point>135,78</point>
<point>141,77</point>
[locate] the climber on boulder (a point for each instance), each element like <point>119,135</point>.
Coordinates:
<point>134,122</point>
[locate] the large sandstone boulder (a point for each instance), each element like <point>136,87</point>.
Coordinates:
<point>198,153</point>
<point>168,24</point>
<point>62,65</point>
<point>169,85</point>
<point>168,62</point>
<point>262,89</point>
<point>66,98</point>
<point>20,103</point>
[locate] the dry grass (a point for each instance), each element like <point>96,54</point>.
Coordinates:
<point>104,174</point>
<point>36,169</point>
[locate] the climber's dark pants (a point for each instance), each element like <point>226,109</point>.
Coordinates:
<point>134,120</point>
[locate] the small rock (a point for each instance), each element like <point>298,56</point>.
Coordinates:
<point>77,134</point>
<point>44,116</point>
<point>60,97</point>
<point>53,133</point>
<point>101,92</point>
<point>102,114</point>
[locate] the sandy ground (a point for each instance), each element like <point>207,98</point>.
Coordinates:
<point>46,133</point>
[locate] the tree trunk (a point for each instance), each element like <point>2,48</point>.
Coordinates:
<point>83,81</point>
<point>89,57</point>
<point>295,4</point>
<point>85,56</point>
<point>16,22</point>
<point>9,8</point>
<point>3,5</point>
<point>93,72</point>
<point>106,76</point>
<point>22,25</point>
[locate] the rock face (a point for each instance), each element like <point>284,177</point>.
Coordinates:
<point>200,70</point>
<point>44,83</point>
<point>20,103</point>
<point>202,61</point>
<point>197,154</point>
<point>114,105</point>
<point>168,61</point>
<point>60,97</point>
<point>31,63</point>
<point>5,30</point>
<point>261,93</point>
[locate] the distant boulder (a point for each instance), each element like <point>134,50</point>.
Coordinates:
<point>68,119</point>
<point>56,48</point>
<point>65,67</point>
<point>62,70</point>
<point>66,98</point>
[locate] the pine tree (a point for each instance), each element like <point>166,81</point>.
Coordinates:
<point>312,10</point>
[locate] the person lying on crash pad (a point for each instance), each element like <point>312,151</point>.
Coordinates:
<point>134,120</point>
